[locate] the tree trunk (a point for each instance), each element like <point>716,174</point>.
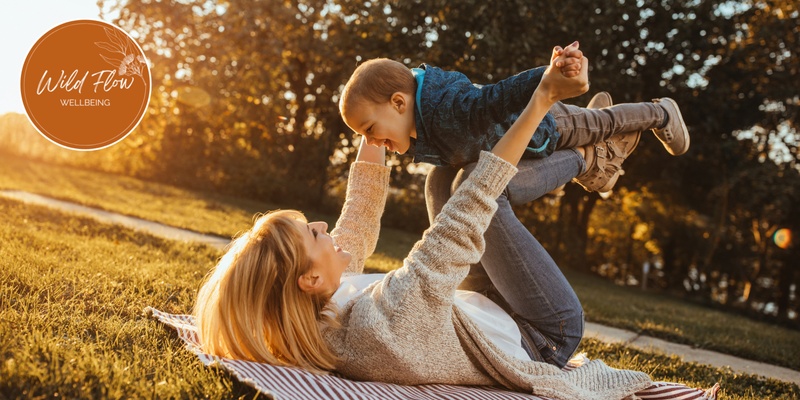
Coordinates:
<point>333,127</point>
<point>786,276</point>
<point>674,268</point>
<point>573,235</point>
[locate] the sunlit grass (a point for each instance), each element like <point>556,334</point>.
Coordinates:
<point>72,292</point>
<point>669,318</point>
<point>200,212</point>
<point>672,369</point>
<point>71,323</point>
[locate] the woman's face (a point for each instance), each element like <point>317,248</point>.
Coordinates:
<point>328,261</point>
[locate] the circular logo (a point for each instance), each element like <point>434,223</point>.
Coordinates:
<point>85,85</point>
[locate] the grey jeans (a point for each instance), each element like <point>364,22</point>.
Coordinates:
<point>580,126</point>
<point>522,277</point>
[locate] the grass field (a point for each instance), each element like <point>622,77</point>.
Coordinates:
<point>72,292</point>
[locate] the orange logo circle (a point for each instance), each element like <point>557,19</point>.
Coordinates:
<point>85,85</point>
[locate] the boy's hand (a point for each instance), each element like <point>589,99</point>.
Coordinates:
<point>568,59</point>
<point>556,85</point>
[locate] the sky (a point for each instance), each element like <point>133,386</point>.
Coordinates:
<point>22,23</point>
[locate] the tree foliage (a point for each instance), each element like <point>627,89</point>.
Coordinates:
<point>245,102</point>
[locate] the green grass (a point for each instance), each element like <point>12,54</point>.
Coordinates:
<point>213,214</point>
<point>677,321</point>
<point>671,369</point>
<point>200,212</point>
<point>72,292</point>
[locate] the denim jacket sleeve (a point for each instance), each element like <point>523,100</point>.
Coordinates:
<point>460,119</point>
<point>512,93</point>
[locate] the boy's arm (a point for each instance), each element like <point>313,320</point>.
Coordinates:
<point>480,115</point>
<point>358,226</point>
<point>505,93</point>
<point>512,145</point>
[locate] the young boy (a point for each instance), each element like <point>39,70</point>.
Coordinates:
<point>444,119</point>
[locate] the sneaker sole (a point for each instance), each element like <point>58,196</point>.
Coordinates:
<point>684,130</point>
<point>600,100</point>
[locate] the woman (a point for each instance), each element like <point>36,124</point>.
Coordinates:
<point>279,295</point>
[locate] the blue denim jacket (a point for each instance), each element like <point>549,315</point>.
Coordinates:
<point>456,119</point>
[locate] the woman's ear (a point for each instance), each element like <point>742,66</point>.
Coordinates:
<point>399,102</point>
<point>309,282</point>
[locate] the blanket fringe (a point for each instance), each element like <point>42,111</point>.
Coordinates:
<point>711,394</point>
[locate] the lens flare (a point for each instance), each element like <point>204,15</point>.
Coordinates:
<point>783,238</point>
<point>193,96</point>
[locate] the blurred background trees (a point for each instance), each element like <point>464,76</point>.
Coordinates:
<point>245,102</point>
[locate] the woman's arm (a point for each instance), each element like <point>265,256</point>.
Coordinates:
<point>358,226</point>
<point>371,154</point>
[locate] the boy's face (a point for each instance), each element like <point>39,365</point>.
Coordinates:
<point>390,124</point>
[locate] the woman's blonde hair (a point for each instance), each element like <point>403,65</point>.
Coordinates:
<point>251,307</point>
<point>376,81</point>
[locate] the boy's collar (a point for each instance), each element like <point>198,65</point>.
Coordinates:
<point>419,76</point>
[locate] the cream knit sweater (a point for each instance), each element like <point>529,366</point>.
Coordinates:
<point>405,329</point>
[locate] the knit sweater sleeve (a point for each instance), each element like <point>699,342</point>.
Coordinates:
<point>438,263</point>
<point>358,226</point>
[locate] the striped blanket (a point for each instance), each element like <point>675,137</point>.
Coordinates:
<point>282,383</point>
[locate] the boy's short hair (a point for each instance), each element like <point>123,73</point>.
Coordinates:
<point>376,80</point>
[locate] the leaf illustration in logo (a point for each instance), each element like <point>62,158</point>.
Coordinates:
<point>111,61</point>
<point>114,37</point>
<point>105,46</point>
<point>118,45</point>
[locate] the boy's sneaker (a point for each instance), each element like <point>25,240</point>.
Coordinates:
<point>600,100</point>
<point>604,161</point>
<point>674,136</point>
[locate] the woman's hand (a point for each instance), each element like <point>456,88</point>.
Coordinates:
<point>370,153</point>
<point>554,87</point>
<point>568,60</point>
<point>560,81</point>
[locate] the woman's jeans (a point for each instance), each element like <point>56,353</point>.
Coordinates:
<point>522,277</point>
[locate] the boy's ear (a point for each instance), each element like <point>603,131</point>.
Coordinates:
<point>309,282</point>
<point>399,102</point>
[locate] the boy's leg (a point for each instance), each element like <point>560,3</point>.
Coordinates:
<point>583,126</point>
<point>523,273</point>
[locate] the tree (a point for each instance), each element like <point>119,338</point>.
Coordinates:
<point>244,86</point>
<point>245,96</point>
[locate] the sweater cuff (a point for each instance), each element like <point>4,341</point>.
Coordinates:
<point>493,172</point>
